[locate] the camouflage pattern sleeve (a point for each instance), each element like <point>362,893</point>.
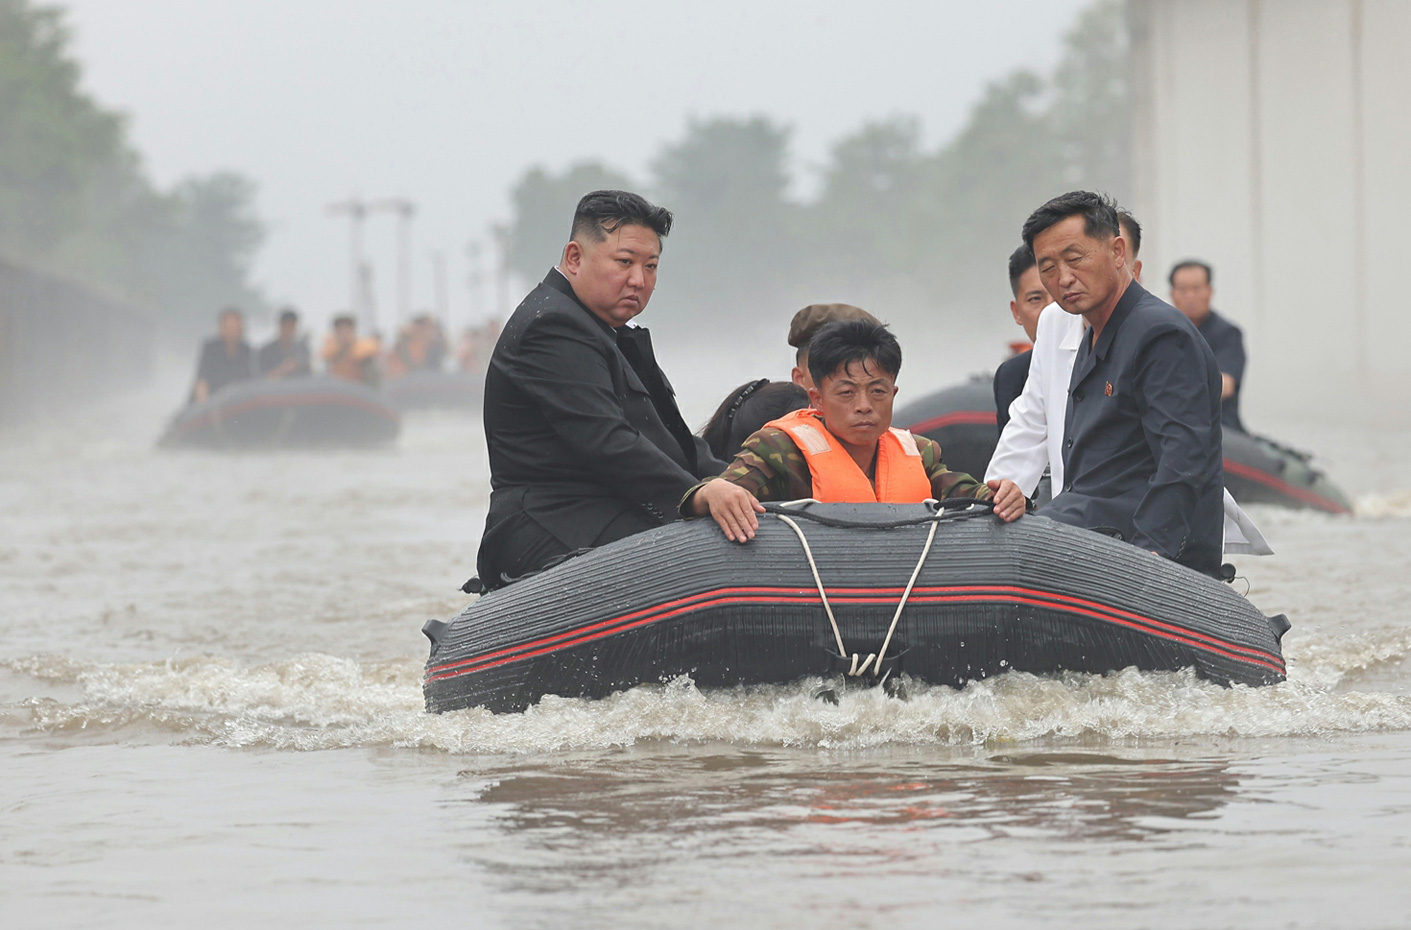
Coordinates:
<point>769,466</point>
<point>944,482</point>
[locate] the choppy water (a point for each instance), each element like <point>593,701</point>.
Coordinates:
<point>210,712</point>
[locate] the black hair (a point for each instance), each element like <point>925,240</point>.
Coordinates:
<point>345,319</point>
<point>602,212</point>
<point>746,409</point>
<point>1131,229</point>
<point>230,311</point>
<point>1020,261</point>
<point>1190,263</point>
<point>848,341</point>
<point>1099,213</point>
<point>288,315</point>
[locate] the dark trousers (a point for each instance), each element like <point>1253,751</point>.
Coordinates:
<point>519,546</point>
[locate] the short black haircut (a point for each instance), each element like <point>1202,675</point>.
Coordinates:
<point>1020,261</point>
<point>1190,263</point>
<point>745,410</point>
<point>602,212</point>
<point>1099,213</point>
<point>345,319</point>
<point>230,311</point>
<point>1131,229</point>
<point>288,315</point>
<point>848,341</point>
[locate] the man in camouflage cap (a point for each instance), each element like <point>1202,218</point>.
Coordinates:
<point>810,320</point>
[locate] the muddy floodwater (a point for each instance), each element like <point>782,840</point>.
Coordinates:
<point>211,716</point>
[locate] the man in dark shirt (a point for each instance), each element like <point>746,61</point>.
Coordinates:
<point>1191,293</point>
<point>225,359</point>
<point>586,443</point>
<point>1142,449</point>
<point>286,355</point>
<point>1030,298</point>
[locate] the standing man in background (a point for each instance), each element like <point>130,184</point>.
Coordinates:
<point>1191,293</point>
<point>586,443</point>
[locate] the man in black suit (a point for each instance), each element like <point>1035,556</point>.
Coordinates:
<point>586,443</point>
<point>1029,301</point>
<point>1142,450</point>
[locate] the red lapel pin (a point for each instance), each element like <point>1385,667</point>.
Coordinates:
<point>1109,389</point>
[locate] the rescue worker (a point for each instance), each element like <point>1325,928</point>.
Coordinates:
<point>225,359</point>
<point>286,355</point>
<point>843,448</point>
<point>349,357</point>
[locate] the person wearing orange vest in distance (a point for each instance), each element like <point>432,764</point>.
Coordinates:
<point>349,357</point>
<point>843,449</point>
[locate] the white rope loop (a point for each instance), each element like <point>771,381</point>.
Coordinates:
<point>873,660</point>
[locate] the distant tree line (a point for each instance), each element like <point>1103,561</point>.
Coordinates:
<point>892,224</point>
<point>74,197</point>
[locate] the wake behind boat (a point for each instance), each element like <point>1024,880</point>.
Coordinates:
<point>868,591</point>
<point>286,412</point>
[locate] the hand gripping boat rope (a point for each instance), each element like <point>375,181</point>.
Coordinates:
<point>873,660</point>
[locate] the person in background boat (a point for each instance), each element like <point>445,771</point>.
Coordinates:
<point>420,346</point>
<point>348,356</point>
<point>1190,282</point>
<point>843,448</point>
<point>747,408</point>
<point>586,443</point>
<point>1141,455</point>
<point>1031,430</point>
<point>287,354</point>
<point>808,322</point>
<point>475,346</point>
<point>1029,301</point>
<point>225,359</point>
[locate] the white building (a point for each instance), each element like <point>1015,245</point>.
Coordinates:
<point>1274,142</point>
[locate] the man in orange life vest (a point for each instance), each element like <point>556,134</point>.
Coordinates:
<point>843,448</point>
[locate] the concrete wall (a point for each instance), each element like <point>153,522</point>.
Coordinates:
<point>61,343</point>
<point>1274,141</point>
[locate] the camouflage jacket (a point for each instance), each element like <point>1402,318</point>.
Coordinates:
<point>771,467</point>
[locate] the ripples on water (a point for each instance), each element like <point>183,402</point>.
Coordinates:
<point>180,621</point>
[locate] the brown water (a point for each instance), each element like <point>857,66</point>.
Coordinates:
<point>210,714</point>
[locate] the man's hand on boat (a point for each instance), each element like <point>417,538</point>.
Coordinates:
<point>1009,500</point>
<point>731,506</point>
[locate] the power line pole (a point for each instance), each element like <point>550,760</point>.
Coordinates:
<point>359,303</point>
<point>405,210</point>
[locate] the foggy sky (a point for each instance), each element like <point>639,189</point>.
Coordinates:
<point>448,102</point>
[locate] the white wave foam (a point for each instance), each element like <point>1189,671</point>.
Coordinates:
<point>321,702</point>
<point>1383,506</point>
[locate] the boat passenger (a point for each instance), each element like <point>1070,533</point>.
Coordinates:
<point>807,322</point>
<point>585,440</point>
<point>1191,293</point>
<point>747,408</point>
<point>347,356</point>
<point>286,355</point>
<point>1142,455</point>
<point>843,448</point>
<point>225,359</point>
<point>1029,301</point>
<point>420,346</point>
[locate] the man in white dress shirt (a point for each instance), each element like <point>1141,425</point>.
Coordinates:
<point>1033,438</point>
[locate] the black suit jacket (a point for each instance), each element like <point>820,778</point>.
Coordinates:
<point>581,424</point>
<point>1009,384</point>
<point>1141,452</point>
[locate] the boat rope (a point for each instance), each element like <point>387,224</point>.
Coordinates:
<point>952,508</point>
<point>873,660</point>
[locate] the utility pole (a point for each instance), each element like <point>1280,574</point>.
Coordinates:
<point>438,280</point>
<point>475,279</point>
<point>358,303</point>
<point>405,210</point>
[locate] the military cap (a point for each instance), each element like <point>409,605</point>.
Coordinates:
<point>814,317</point>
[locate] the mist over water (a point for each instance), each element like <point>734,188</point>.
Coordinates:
<point>230,645</point>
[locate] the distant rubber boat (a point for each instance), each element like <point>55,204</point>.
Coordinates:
<point>286,412</point>
<point>944,596</point>
<point>436,390</point>
<point>961,418</point>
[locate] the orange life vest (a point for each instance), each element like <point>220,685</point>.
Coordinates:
<point>901,478</point>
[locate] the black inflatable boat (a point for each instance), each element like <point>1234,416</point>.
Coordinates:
<point>871,591</point>
<point>436,390</point>
<point>286,412</point>
<point>1257,470</point>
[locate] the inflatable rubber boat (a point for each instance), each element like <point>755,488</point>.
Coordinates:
<point>436,390</point>
<point>286,412</point>
<point>1257,470</point>
<point>942,593</point>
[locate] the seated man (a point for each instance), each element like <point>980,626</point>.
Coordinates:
<point>349,357</point>
<point>1029,301</point>
<point>286,355</point>
<point>1191,293</point>
<point>586,443</point>
<point>224,359</point>
<point>843,448</point>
